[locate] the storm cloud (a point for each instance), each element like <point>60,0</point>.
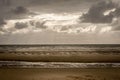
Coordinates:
<point>2,22</point>
<point>59,21</point>
<point>62,23</point>
<point>20,25</point>
<point>5,2</point>
<point>102,12</point>
<point>45,2</point>
<point>21,18</point>
<point>40,25</point>
<point>20,10</point>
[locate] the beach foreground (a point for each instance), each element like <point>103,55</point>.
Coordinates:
<point>59,74</point>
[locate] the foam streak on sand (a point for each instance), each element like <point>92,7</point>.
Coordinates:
<point>21,64</point>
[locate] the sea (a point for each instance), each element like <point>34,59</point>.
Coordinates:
<point>60,49</point>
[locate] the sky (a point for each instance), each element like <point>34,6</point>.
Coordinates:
<point>59,22</point>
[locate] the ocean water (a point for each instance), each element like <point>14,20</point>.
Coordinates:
<point>61,50</point>
<point>98,48</point>
<point>62,47</point>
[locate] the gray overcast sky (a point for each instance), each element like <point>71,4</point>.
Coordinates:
<point>59,22</point>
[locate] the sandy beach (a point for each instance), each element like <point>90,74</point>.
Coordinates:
<point>59,74</point>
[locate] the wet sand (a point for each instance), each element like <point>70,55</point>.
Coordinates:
<point>59,74</point>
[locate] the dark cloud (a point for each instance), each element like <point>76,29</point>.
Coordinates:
<point>61,5</point>
<point>116,25</point>
<point>40,25</point>
<point>2,22</point>
<point>64,28</point>
<point>96,13</point>
<point>20,10</point>
<point>3,9</point>
<point>7,14</point>
<point>5,2</point>
<point>8,11</point>
<point>43,2</point>
<point>32,23</point>
<point>117,12</point>
<point>21,25</point>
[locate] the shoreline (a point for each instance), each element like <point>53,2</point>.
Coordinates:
<point>24,64</point>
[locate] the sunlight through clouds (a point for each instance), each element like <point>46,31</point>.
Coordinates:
<point>107,12</point>
<point>61,23</point>
<point>106,29</point>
